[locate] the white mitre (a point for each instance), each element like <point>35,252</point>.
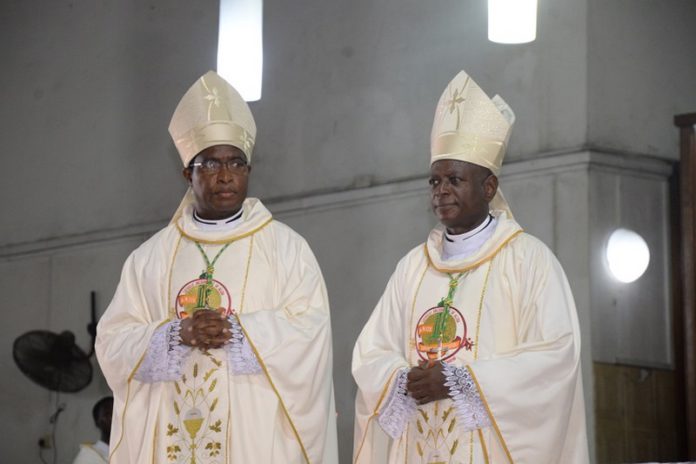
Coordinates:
<point>212,113</point>
<point>471,127</point>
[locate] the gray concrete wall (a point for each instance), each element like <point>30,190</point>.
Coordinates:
<point>641,72</point>
<point>88,90</point>
<point>351,87</point>
<point>349,94</point>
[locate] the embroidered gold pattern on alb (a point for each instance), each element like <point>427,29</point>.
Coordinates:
<point>197,436</point>
<point>436,437</point>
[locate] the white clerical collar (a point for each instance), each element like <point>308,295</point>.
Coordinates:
<point>218,224</point>
<point>463,245</point>
<point>102,448</point>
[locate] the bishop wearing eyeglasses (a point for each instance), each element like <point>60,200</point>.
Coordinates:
<point>217,343</point>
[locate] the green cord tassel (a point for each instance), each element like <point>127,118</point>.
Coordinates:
<point>445,303</point>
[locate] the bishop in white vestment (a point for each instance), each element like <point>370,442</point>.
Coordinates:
<point>472,354</point>
<point>217,343</point>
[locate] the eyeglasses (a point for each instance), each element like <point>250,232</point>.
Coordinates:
<point>214,165</point>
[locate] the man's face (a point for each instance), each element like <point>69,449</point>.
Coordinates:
<point>219,177</point>
<point>460,193</point>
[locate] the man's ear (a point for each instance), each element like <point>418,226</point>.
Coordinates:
<point>490,187</point>
<point>187,172</point>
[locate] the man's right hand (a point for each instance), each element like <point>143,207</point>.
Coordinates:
<point>205,330</point>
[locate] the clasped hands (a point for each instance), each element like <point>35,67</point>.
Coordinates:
<point>426,383</point>
<point>205,329</point>
<point>208,329</point>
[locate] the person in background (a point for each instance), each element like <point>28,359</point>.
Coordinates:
<point>98,453</point>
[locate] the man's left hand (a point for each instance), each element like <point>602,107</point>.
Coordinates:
<point>426,383</point>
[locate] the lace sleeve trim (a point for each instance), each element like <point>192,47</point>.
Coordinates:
<point>399,407</point>
<point>241,357</point>
<point>470,410</point>
<point>165,356</point>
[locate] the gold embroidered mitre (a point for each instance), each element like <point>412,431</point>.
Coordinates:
<point>211,113</point>
<point>469,126</point>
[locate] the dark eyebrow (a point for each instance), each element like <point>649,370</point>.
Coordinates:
<point>222,160</point>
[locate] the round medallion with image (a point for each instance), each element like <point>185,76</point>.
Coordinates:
<point>454,335</point>
<point>197,294</point>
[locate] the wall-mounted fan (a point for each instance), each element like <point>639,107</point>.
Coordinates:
<point>55,362</point>
<point>52,360</point>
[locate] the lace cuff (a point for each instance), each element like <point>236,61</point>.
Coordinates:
<point>240,356</point>
<point>165,356</point>
<point>470,410</point>
<point>398,409</point>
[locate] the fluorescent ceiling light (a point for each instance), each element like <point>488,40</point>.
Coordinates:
<point>512,21</point>
<point>240,46</point>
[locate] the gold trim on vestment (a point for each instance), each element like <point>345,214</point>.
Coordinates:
<point>228,432</point>
<point>123,422</point>
<point>246,275</point>
<point>413,306</point>
<point>478,321</point>
<point>476,344</point>
<point>171,308</point>
<point>154,441</point>
<point>480,309</point>
<point>275,390</point>
<point>413,310</point>
<point>128,382</point>
<point>172,311</point>
<point>477,263</point>
<point>241,308</point>
<point>142,357</point>
<point>374,413</point>
<point>490,414</point>
<point>362,442</point>
<point>483,447</point>
<point>222,241</point>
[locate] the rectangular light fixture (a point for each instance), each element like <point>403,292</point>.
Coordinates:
<point>512,21</point>
<point>240,46</point>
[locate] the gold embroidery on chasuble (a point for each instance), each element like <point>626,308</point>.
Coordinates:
<point>433,435</point>
<point>196,432</point>
<point>196,412</point>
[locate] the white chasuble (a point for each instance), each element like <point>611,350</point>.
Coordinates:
<point>269,278</point>
<point>512,323</point>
